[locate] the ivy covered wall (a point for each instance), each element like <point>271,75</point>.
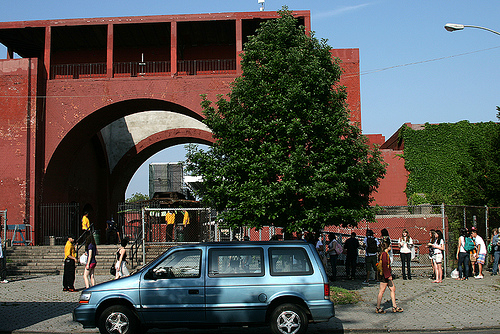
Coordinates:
<point>440,157</point>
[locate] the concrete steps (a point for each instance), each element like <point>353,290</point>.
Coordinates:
<point>49,260</point>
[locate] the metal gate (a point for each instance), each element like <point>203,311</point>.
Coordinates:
<point>57,221</point>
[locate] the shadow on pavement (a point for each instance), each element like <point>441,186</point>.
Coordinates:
<point>18,315</point>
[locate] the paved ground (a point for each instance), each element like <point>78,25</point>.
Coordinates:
<point>38,305</point>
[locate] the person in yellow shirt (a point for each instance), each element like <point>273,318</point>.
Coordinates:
<point>69,265</point>
<point>85,225</point>
<point>185,220</point>
<point>170,218</point>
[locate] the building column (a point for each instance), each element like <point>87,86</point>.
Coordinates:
<point>173,48</point>
<point>109,52</point>
<point>46,52</point>
<point>239,45</point>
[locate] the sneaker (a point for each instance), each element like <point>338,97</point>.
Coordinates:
<point>365,282</point>
<point>479,276</point>
<point>4,281</point>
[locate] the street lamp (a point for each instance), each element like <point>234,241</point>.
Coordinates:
<point>454,27</point>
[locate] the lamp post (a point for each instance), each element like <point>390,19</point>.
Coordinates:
<point>454,27</point>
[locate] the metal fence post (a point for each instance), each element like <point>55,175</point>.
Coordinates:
<point>143,238</point>
<point>445,240</point>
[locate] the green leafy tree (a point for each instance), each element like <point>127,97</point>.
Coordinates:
<point>286,153</point>
<point>137,197</point>
<point>481,177</point>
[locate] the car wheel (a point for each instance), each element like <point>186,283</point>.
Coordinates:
<point>118,319</point>
<point>289,319</point>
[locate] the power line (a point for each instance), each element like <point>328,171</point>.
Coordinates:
<point>347,75</point>
<point>416,63</point>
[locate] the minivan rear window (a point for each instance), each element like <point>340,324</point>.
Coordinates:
<point>237,262</point>
<point>289,261</point>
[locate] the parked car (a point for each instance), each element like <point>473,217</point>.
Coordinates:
<point>283,284</point>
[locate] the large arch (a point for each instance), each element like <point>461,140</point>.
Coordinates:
<point>96,160</point>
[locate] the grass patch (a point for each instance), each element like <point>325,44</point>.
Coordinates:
<point>340,296</point>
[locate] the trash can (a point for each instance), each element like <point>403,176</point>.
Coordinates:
<point>97,237</point>
<point>52,240</point>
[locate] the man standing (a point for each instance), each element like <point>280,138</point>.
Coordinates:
<point>3,265</point>
<point>481,251</point>
<point>371,248</point>
<point>334,250</point>
<point>351,246</point>
<point>85,224</point>
<point>69,265</point>
<point>495,241</point>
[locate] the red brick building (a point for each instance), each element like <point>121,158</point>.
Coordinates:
<point>90,100</point>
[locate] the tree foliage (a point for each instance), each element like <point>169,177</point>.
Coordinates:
<point>454,163</point>
<point>137,197</point>
<point>286,153</point>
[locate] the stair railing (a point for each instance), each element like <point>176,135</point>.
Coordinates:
<point>83,236</point>
<point>134,249</point>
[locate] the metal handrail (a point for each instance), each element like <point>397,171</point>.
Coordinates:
<point>134,254</point>
<point>79,245</point>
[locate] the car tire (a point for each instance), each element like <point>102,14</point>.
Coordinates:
<point>289,319</point>
<point>118,319</point>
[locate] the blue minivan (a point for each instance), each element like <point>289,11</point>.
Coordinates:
<point>283,284</point>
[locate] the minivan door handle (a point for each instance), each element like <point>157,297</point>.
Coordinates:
<point>193,292</point>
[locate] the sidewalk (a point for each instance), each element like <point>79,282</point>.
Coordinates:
<point>38,304</point>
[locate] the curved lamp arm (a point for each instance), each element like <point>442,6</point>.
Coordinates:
<point>454,27</point>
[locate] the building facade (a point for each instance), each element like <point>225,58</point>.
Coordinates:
<point>84,102</point>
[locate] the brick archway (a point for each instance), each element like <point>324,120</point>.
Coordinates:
<point>85,168</point>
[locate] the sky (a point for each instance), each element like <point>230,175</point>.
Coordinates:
<point>412,69</point>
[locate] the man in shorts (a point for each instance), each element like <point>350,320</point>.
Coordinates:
<point>481,251</point>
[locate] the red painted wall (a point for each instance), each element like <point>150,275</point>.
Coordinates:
<point>59,133</point>
<point>18,83</point>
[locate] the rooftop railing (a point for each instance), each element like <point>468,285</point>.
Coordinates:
<point>139,69</point>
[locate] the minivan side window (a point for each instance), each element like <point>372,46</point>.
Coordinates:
<point>180,264</point>
<point>235,262</point>
<point>289,261</point>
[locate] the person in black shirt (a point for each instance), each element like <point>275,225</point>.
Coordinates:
<point>351,246</point>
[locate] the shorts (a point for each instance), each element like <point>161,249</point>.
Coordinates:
<point>481,258</point>
<point>92,265</point>
<point>438,258</point>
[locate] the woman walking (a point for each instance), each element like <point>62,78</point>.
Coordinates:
<point>462,256</point>
<point>121,260</point>
<point>405,246</point>
<point>386,280</point>
<point>91,250</point>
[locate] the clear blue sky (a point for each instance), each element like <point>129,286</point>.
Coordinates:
<point>412,69</point>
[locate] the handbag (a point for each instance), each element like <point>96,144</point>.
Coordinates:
<point>112,270</point>
<point>83,258</point>
<point>380,269</point>
<point>472,257</point>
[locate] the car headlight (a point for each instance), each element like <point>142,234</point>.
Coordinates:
<point>85,297</point>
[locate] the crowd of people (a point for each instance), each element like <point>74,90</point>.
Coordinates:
<point>471,256</point>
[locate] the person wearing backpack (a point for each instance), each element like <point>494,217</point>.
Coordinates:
<point>371,248</point>
<point>334,250</point>
<point>495,244</point>
<point>463,256</point>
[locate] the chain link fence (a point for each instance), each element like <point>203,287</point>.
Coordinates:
<point>167,227</point>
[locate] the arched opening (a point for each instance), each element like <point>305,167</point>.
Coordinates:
<point>96,160</point>
<point>139,181</point>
